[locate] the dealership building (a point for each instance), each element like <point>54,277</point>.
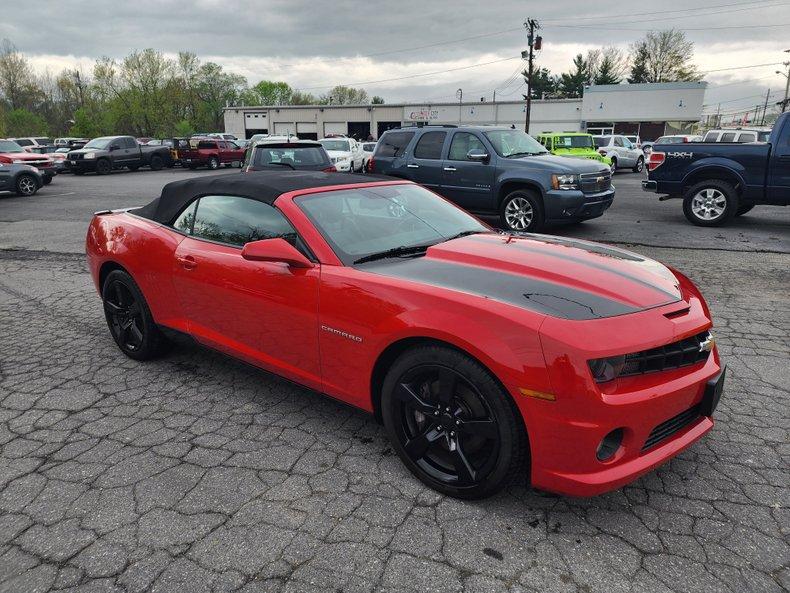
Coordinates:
<point>650,110</point>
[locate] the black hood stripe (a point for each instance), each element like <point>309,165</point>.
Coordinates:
<point>595,249</point>
<point>543,297</point>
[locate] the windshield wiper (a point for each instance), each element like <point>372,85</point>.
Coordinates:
<point>463,234</point>
<point>512,154</point>
<point>394,252</point>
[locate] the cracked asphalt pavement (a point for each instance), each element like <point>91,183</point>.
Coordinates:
<point>198,473</point>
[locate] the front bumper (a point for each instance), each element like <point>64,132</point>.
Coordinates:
<point>82,165</point>
<point>573,205</point>
<point>343,166</point>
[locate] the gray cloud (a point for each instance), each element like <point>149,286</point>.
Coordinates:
<point>299,40</point>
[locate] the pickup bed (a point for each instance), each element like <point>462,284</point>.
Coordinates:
<point>107,153</point>
<point>719,180</point>
<point>211,153</point>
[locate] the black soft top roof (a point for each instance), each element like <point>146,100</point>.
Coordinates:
<point>264,186</point>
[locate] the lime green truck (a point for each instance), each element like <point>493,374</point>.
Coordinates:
<point>572,144</point>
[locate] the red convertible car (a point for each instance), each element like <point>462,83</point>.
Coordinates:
<point>487,356</point>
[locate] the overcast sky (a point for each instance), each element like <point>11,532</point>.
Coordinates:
<point>314,45</point>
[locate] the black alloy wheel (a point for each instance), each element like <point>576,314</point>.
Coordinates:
<point>103,167</point>
<point>451,424</point>
<point>129,318</point>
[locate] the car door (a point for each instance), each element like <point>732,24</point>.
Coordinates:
<point>6,178</point>
<point>623,159</point>
<point>264,312</point>
<point>424,162</point>
<point>466,182</point>
<point>778,191</point>
<point>631,151</point>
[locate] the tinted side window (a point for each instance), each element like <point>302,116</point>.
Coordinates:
<point>207,145</point>
<point>747,137</point>
<point>429,146</point>
<point>711,137</point>
<point>129,143</point>
<point>393,144</point>
<point>236,221</point>
<point>728,137</point>
<point>461,144</point>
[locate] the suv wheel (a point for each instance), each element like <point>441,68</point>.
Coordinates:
<point>521,211</point>
<point>640,165</point>
<point>710,203</point>
<point>613,166</point>
<point>103,167</point>
<point>213,163</point>
<point>156,163</point>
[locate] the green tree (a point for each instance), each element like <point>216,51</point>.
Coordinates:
<point>18,83</point>
<point>300,98</point>
<point>345,95</point>
<point>607,65</point>
<point>21,122</point>
<point>572,83</point>
<point>663,56</point>
<point>183,128</point>
<point>376,100</point>
<point>268,92</point>
<point>544,84</point>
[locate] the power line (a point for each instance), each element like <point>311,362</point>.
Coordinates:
<point>653,13</point>
<point>598,28</point>
<point>740,67</point>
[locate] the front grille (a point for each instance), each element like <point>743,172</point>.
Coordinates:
<point>672,356</point>
<point>75,156</point>
<point>593,183</point>
<point>667,429</point>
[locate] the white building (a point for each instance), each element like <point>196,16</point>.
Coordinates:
<point>647,109</point>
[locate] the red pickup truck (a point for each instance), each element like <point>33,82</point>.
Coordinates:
<point>211,153</point>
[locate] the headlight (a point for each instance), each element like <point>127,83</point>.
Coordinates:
<point>565,182</point>
<point>606,369</point>
<point>90,155</point>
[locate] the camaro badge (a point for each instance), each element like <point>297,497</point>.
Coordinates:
<point>340,333</point>
<point>707,344</point>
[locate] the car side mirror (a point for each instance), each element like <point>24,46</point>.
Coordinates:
<point>275,250</point>
<point>478,155</point>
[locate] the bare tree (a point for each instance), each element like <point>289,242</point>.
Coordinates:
<point>664,56</point>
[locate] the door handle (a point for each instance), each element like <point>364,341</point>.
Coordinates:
<point>188,262</point>
<point>450,169</point>
<point>413,166</point>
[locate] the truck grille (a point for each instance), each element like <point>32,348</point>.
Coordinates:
<point>667,429</point>
<point>593,183</point>
<point>672,356</point>
<point>75,156</point>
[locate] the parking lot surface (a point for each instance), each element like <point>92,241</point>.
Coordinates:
<point>198,473</point>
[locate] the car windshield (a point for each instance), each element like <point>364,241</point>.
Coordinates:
<point>99,143</point>
<point>358,223</point>
<point>513,143</point>
<point>573,142</point>
<point>341,145</point>
<point>10,146</point>
<point>601,141</point>
<point>300,156</point>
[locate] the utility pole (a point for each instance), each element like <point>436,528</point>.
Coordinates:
<point>531,25</point>
<point>460,94</point>
<point>787,84</point>
<point>765,107</point>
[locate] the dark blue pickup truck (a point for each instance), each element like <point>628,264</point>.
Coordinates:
<point>719,180</point>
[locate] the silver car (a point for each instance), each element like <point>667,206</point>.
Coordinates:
<point>622,151</point>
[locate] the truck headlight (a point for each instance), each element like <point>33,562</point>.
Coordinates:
<point>565,182</point>
<point>90,155</point>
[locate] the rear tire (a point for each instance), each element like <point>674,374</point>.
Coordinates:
<point>710,203</point>
<point>521,211</point>
<point>213,163</point>
<point>129,318</point>
<point>26,185</point>
<point>640,165</point>
<point>452,424</point>
<point>157,163</point>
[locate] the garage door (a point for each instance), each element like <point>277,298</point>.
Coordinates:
<point>283,128</point>
<point>335,128</point>
<point>307,130</point>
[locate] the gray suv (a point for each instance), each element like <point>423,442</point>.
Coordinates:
<point>493,170</point>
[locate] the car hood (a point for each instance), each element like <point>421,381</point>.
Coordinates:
<point>559,164</point>
<point>84,150</point>
<point>23,156</point>
<point>555,276</point>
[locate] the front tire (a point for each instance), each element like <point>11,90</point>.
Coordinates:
<point>640,165</point>
<point>129,318</point>
<point>521,211</point>
<point>710,203</point>
<point>26,185</point>
<point>452,424</point>
<point>213,163</point>
<point>103,167</point>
